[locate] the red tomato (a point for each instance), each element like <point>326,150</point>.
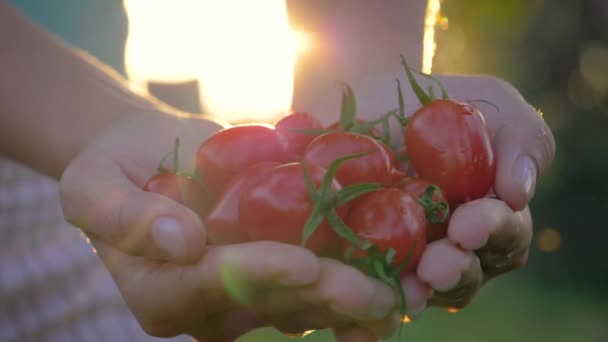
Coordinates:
<point>288,125</point>
<point>277,206</point>
<point>231,150</point>
<point>373,167</point>
<point>391,218</point>
<point>449,144</point>
<point>182,189</point>
<point>416,187</point>
<point>223,221</point>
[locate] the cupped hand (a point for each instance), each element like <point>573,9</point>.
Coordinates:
<point>489,236</point>
<point>173,282</point>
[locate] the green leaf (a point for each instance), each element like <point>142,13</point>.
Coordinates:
<point>432,93</point>
<point>486,102</point>
<point>344,231</point>
<point>410,254</point>
<point>161,168</point>
<point>386,132</point>
<point>403,158</point>
<point>380,273</point>
<point>176,156</point>
<point>314,220</point>
<point>310,187</point>
<point>444,93</point>
<point>401,102</point>
<point>333,168</point>
<point>402,301</point>
<point>420,94</point>
<point>390,255</point>
<point>351,192</point>
<point>348,110</point>
<point>435,212</point>
<point>348,254</point>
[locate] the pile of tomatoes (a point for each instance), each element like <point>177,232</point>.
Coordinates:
<point>342,190</point>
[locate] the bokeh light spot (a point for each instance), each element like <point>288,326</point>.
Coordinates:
<point>549,240</point>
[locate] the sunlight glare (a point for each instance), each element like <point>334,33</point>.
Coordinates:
<point>242,52</point>
<point>430,21</point>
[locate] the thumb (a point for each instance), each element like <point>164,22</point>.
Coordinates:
<point>524,150</point>
<point>99,198</point>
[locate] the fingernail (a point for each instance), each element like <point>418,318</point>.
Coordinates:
<point>525,171</point>
<point>168,236</point>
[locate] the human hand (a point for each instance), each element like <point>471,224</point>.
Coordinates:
<point>490,236</point>
<point>156,250</point>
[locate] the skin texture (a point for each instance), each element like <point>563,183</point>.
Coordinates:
<point>105,142</point>
<point>182,189</point>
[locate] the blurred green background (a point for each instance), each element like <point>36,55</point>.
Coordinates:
<point>556,53</point>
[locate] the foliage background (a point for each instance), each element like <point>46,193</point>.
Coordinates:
<point>556,53</point>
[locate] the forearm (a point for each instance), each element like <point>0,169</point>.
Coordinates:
<point>356,41</point>
<point>54,99</point>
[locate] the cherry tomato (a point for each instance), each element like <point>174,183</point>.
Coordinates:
<point>416,187</point>
<point>449,144</point>
<point>391,218</point>
<point>277,206</point>
<point>373,167</point>
<point>288,125</point>
<point>223,220</point>
<point>182,189</point>
<point>231,150</point>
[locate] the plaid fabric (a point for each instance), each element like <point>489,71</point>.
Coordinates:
<point>52,286</point>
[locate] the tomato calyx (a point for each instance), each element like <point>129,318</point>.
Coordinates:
<point>162,168</point>
<point>325,202</point>
<point>436,212</point>
<point>423,96</point>
<point>378,264</point>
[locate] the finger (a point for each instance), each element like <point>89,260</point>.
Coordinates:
<point>416,293</point>
<point>500,236</point>
<point>99,198</point>
<point>302,322</point>
<point>168,298</point>
<point>523,143</point>
<point>525,148</point>
<point>347,291</point>
<point>454,274</point>
<point>508,248</point>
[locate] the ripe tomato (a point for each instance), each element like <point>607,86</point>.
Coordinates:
<point>231,150</point>
<point>223,221</point>
<point>182,189</point>
<point>391,218</point>
<point>277,206</point>
<point>373,167</point>
<point>288,125</point>
<point>416,187</point>
<point>449,144</point>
